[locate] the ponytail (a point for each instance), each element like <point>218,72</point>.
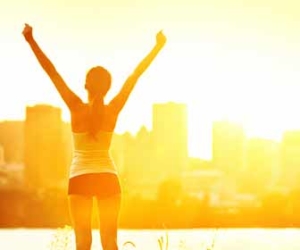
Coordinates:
<point>96,116</point>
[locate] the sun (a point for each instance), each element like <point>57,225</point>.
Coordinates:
<point>265,111</point>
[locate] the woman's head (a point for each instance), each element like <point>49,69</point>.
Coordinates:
<point>98,81</point>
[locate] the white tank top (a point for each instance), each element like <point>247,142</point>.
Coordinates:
<point>91,155</point>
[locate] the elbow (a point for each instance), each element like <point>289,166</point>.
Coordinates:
<point>50,69</point>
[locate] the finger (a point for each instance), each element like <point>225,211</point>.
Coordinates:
<point>27,25</point>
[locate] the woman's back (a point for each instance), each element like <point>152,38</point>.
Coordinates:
<point>92,135</point>
<point>85,118</point>
<point>84,141</point>
<point>91,154</point>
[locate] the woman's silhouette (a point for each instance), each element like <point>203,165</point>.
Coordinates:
<point>92,171</point>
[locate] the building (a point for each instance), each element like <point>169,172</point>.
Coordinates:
<point>12,140</point>
<point>228,147</point>
<point>290,159</point>
<point>262,165</point>
<point>46,154</point>
<point>152,157</point>
<point>170,139</point>
<point>199,182</point>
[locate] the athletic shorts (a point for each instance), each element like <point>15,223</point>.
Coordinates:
<point>101,185</point>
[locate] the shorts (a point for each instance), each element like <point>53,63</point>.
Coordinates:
<point>101,185</point>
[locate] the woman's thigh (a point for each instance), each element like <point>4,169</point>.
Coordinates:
<point>108,210</point>
<point>80,208</point>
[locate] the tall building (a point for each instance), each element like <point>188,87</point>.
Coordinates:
<point>170,139</point>
<point>290,159</point>
<point>133,158</point>
<point>262,164</point>
<point>228,147</point>
<point>45,153</point>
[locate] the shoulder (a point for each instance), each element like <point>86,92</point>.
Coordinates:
<point>79,109</point>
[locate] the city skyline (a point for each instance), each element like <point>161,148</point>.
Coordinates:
<point>140,157</point>
<point>205,152</point>
<point>224,59</point>
<point>154,168</point>
<point>198,149</point>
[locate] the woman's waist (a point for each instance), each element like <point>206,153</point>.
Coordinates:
<point>91,154</point>
<point>91,158</point>
<point>88,151</point>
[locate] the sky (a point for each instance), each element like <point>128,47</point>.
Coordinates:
<point>226,59</point>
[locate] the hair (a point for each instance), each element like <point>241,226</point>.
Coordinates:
<point>98,82</point>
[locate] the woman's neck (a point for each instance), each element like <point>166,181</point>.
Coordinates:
<point>95,99</point>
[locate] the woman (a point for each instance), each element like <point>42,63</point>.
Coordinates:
<point>92,171</point>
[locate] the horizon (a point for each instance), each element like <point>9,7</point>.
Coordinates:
<point>207,155</point>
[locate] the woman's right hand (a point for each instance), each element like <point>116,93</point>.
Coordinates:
<point>27,32</point>
<point>161,38</point>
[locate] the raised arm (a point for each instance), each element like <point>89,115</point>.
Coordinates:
<point>120,99</point>
<point>71,99</point>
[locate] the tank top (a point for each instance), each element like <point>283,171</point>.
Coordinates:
<point>91,154</point>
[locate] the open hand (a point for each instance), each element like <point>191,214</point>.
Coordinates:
<point>161,38</point>
<point>27,31</point>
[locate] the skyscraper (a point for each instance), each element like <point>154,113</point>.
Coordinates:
<point>170,138</point>
<point>45,150</point>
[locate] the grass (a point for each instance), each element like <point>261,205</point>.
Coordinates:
<point>62,240</point>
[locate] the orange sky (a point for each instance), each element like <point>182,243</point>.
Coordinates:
<point>224,58</point>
